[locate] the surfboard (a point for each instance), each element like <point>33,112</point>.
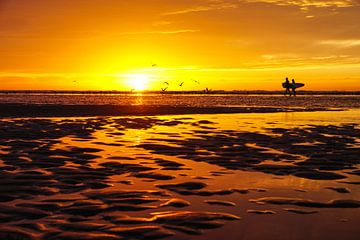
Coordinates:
<point>291,85</point>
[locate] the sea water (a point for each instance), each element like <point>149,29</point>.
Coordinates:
<point>189,100</point>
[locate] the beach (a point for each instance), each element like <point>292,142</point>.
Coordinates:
<point>179,120</point>
<point>152,173</point>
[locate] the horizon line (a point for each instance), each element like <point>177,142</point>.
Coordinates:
<point>215,91</point>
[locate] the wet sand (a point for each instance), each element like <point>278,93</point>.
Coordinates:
<point>55,110</point>
<point>287,175</point>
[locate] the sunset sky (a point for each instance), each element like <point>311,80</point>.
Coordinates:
<point>140,44</point>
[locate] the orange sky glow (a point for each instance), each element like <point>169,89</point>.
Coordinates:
<point>217,44</point>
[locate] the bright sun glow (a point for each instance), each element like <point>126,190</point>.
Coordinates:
<point>138,82</point>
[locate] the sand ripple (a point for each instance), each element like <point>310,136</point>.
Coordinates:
<point>133,178</point>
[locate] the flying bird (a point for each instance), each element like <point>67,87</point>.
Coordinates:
<point>166,83</point>
<point>164,89</point>
<point>196,81</point>
<point>181,84</point>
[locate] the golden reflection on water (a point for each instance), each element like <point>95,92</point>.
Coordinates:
<point>279,186</point>
<point>238,122</point>
<point>138,99</point>
<point>197,147</point>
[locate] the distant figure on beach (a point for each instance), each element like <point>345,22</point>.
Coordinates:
<point>287,87</point>
<point>293,87</point>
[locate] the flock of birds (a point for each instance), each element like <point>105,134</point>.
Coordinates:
<point>167,84</point>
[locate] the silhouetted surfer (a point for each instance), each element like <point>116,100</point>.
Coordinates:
<point>293,87</point>
<point>287,87</point>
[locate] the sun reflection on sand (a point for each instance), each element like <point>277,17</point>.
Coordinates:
<point>125,170</point>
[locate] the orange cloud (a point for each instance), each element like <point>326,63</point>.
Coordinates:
<point>311,3</point>
<point>208,6</point>
<point>346,43</point>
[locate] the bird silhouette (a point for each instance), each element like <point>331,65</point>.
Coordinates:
<point>196,81</point>
<point>166,83</point>
<point>181,84</point>
<point>154,65</point>
<point>164,89</point>
<point>207,90</point>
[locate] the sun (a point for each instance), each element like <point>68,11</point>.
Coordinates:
<point>138,82</point>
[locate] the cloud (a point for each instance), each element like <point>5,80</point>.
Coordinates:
<point>292,60</point>
<point>43,37</point>
<point>310,3</point>
<point>348,43</point>
<point>162,23</point>
<point>162,32</point>
<point>283,68</point>
<point>270,57</point>
<point>210,6</point>
<point>42,75</point>
<point>97,35</point>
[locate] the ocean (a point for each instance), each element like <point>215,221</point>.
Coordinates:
<point>185,100</point>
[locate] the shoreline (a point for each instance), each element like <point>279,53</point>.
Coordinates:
<point>35,110</point>
<point>189,92</point>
